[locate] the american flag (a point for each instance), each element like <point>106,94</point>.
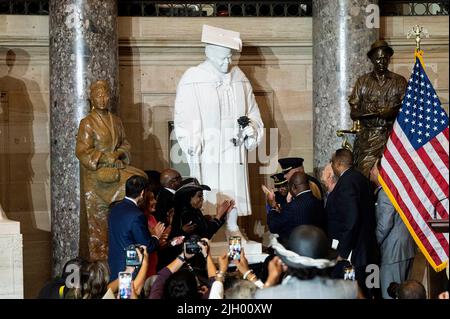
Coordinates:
<point>415,165</point>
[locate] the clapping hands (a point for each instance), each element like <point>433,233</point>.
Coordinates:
<point>224,208</point>
<point>270,196</point>
<point>157,230</point>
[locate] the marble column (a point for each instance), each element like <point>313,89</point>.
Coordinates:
<point>83,49</point>
<point>342,35</point>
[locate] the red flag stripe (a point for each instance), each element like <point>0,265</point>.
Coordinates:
<point>418,226</point>
<point>430,149</point>
<point>445,132</point>
<point>411,187</point>
<point>441,151</point>
<point>409,216</point>
<point>434,170</point>
<point>432,191</point>
<point>418,166</point>
<point>421,228</point>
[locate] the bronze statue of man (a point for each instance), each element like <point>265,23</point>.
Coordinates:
<point>375,101</point>
<point>104,155</point>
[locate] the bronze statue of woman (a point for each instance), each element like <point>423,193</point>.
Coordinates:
<point>104,154</point>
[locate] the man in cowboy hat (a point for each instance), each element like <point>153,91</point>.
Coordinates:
<point>375,102</point>
<point>309,262</point>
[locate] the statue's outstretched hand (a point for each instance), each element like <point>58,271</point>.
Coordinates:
<point>249,131</point>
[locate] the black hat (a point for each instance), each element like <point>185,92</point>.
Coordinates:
<point>307,247</point>
<point>380,44</point>
<point>278,179</point>
<point>191,184</point>
<point>289,163</point>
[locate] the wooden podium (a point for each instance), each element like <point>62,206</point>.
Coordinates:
<point>436,282</point>
<point>439,225</point>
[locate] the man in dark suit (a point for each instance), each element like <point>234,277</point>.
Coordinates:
<point>352,217</point>
<point>170,182</point>
<point>304,209</point>
<point>291,165</point>
<point>128,226</point>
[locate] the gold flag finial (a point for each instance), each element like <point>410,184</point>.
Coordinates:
<point>418,32</point>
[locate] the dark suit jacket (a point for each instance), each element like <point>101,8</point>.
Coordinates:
<point>163,205</point>
<point>351,215</point>
<point>304,209</point>
<point>127,225</point>
<point>280,199</point>
<point>206,226</point>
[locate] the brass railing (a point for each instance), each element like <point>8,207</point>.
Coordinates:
<point>230,8</point>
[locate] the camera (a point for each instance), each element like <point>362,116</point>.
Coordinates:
<point>132,257</point>
<point>191,245</point>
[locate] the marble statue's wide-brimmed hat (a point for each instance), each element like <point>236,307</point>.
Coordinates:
<point>289,163</point>
<point>191,184</point>
<point>222,37</point>
<point>378,45</point>
<point>278,179</point>
<point>307,247</point>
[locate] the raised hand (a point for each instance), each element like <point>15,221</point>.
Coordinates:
<point>275,269</point>
<point>189,227</point>
<point>223,262</point>
<point>142,253</point>
<point>170,215</point>
<point>157,230</point>
<point>270,196</point>
<point>289,197</point>
<point>224,208</point>
<point>204,245</point>
<point>242,263</point>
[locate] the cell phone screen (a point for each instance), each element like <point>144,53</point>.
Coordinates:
<point>234,248</point>
<point>125,285</point>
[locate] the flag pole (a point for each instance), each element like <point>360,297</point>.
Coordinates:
<point>418,33</point>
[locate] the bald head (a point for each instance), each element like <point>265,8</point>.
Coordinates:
<point>411,289</point>
<point>298,183</point>
<point>170,178</point>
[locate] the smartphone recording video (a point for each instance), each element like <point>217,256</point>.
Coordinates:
<point>234,245</point>
<point>125,285</point>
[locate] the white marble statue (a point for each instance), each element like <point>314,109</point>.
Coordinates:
<point>210,98</point>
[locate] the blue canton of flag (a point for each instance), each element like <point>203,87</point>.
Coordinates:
<point>421,116</point>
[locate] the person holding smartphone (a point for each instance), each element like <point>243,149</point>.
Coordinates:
<point>189,218</point>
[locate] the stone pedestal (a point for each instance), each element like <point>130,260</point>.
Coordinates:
<point>252,249</point>
<point>11,260</point>
<point>342,35</point>
<point>83,49</point>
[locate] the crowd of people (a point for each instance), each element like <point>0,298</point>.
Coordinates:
<point>324,235</point>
